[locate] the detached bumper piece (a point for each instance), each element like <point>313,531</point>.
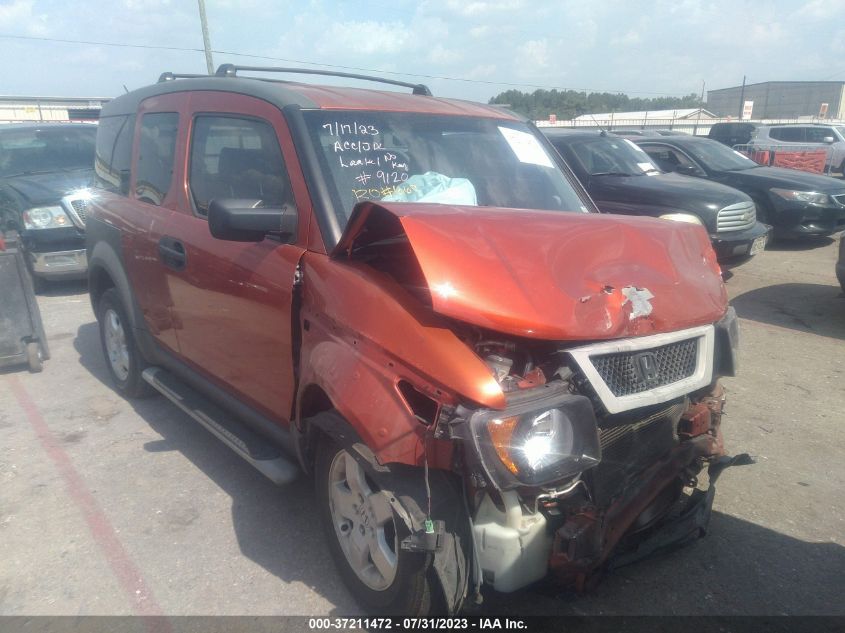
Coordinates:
<point>642,517</point>
<point>690,525</point>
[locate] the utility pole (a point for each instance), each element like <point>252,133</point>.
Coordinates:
<point>700,108</point>
<point>741,96</point>
<point>205,41</point>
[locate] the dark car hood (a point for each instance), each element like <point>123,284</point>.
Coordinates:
<point>549,274</point>
<point>683,193</point>
<point>786,178</point>
<point>48,188</point>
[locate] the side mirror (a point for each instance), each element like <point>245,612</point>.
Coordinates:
<point>828,139</point>
<point>239,220</point>
<point>686,170</point>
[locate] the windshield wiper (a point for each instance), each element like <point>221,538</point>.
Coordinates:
<point>611,173</point>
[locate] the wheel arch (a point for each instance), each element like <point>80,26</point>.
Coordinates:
<point>99,280</point>
<point>106,270</point>
<point>453,559</point>
<point>306,427</point>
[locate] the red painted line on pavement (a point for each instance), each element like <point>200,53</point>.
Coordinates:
<point>127,573</point>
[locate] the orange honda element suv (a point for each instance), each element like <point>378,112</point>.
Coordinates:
<point>412,300</point>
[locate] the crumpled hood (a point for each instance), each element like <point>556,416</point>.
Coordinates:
<point>553,275</point>
<point>48,188</point>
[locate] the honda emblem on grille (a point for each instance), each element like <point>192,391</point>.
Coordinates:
<point>646,364</point>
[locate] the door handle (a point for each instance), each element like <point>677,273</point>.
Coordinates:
<point>172,253</point>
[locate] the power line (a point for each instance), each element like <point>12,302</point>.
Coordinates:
<point>92,43</point>
<point>311,63</point>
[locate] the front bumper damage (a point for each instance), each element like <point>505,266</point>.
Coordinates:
<point>582,540</point>
<point>690,524</point>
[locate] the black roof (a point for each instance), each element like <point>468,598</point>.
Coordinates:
<point>272,91</point>
<point>736,124</point>
<point>573,133</point>
<point>675,139</point>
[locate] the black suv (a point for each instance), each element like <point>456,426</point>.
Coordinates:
<point>45,171</point>
<point>733,133</point>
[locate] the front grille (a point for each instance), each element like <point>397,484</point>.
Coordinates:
<point>628,373</point>
<point>736,217</point>
<point>78,208</point>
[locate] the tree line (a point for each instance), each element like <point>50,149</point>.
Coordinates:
<point>567,104</point>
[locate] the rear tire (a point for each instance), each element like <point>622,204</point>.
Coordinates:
<point>364,535</point>
<point>123,359</point>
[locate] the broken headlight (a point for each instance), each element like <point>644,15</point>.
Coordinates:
<point>535,442</point>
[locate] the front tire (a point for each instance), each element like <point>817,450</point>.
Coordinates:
<point>364,535</point>
<point>123,359</point>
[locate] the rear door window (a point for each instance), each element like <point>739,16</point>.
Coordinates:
<point>234,157</point>
<point>789,134</point>
<point>157,145</point>
<point>818,134</point>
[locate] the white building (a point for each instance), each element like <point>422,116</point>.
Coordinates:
<point>650,115</point>
<point>17,109</point>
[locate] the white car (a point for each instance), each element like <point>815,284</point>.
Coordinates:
<point>805,134</point>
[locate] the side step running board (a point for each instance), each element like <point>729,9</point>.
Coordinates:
<point>254,448</point>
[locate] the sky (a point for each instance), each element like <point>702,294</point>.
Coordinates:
<point>468,49</point>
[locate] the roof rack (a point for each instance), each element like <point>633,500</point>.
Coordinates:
<point>231,70</point>
<point>172,76</point>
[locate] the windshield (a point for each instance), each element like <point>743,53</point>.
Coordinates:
<point>719,157</point>
<point>612,156</point>
<point>403,157</point>
<point>45,149</point>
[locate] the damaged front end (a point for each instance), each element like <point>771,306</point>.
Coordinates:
<point>605,405</point>
<point>599,466</point>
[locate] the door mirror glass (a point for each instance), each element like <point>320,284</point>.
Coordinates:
<point>686,170</point>
<point>828,139</point>
<point>245,220</point>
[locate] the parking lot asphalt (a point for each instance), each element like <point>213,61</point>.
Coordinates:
<point>111,507</point>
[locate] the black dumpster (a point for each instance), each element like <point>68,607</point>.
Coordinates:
<point>22,339</point>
